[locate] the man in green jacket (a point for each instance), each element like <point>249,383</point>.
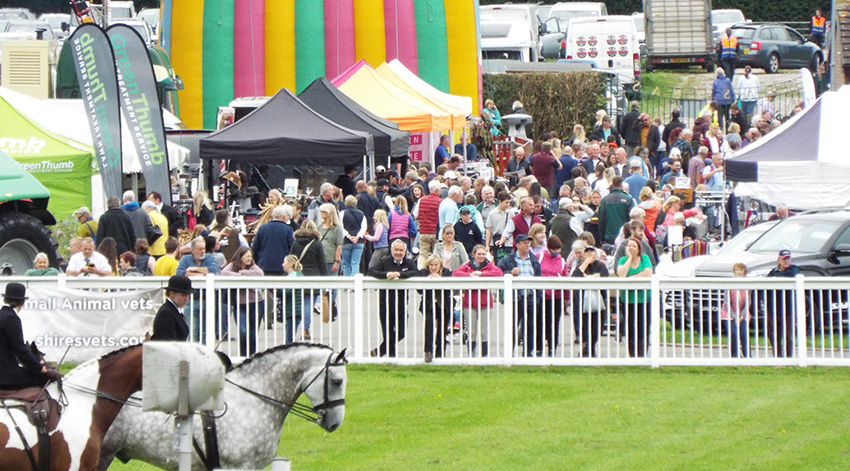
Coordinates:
<point>614,211</point>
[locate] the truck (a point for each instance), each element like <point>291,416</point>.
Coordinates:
<point>678,34</point>
<point>23,220</point>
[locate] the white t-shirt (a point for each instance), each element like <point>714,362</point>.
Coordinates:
<point>79,261</point>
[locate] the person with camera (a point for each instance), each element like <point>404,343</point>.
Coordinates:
<point>88,262</point>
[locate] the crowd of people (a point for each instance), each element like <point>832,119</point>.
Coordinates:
<point>598,203</point>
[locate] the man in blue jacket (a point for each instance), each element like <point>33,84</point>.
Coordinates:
<point>272,242</point>
<point>723,93</point>
<point>528,303</point>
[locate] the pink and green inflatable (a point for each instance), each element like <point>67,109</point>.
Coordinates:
<point>232,48</point>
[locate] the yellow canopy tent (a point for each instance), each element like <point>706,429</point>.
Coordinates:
<point>458,116</point>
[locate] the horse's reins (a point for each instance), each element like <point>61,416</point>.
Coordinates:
<point>94,392</point>
<point>297,409</point>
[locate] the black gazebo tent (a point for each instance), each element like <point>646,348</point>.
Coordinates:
<point>285,131</point>
<point>326,99</point>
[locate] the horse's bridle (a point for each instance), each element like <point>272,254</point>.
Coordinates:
<point>317,412</point>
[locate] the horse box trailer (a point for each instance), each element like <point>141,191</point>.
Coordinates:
<point>610,42</point>
<point>678,33</point>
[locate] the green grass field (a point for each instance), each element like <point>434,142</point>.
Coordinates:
<point>489,418</point>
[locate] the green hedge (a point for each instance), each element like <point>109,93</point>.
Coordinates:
<point>756,10</point>
<point>557,101</point>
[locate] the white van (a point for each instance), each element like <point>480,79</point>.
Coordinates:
<point>509,32</point>
<point>611,42</point>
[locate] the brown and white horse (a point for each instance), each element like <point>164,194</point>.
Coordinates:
<point>96,391</point>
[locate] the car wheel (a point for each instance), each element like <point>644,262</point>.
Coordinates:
<point>813,65</point>
<point>772,64</point>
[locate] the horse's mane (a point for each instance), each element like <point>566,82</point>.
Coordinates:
<point>117,352</point>
<point>278,348</point>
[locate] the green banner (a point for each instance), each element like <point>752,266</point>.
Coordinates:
<point>61,165</point>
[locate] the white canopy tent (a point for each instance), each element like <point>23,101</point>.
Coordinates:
<point>68,119</point>
<point>803,163</point>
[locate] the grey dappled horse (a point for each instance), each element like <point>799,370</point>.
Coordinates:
<point>259,393</point>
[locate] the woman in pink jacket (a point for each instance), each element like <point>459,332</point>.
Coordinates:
<point>477,303</point>
<point>552,265</point>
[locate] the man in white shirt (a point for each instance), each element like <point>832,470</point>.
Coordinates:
<point>87,262</point>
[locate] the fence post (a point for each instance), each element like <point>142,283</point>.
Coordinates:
<point>802,349</point>
<point>209,310</point>
<point>507,319</point>
<point>61,280</point>
<point>655,324</point>
<point>359,318</point>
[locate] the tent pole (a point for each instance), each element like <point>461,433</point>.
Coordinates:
<point>365,167</point>
<point>134,184</point>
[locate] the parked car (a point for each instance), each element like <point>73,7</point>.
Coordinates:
<point>16,14</point>
<point>141,26</point>
<point>722,19</point>
<point>557,24</point>
<point>819,242</point>
<point>678,304</point>
<point>151,16</point>
<point>773,46</point>
<point>60,22</point>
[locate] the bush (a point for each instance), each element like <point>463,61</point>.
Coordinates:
<point>557,101</point>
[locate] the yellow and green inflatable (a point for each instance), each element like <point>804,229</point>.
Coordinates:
<point>224,49</point>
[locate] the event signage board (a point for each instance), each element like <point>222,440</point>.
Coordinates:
<point>95,67</point>
<point>140,105</point>
<point>87,323</point>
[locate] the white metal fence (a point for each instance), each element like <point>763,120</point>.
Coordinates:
<point>535,321</point>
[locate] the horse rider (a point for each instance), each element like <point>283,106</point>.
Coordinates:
<point>13,351</point>
<point>169,323</point>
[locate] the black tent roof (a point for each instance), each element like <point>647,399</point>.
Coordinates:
<point>326,99</point>
<point>286,131</point>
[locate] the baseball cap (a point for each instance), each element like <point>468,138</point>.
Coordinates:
<point>450,174</point>
<point>520,238</point>
<point>784,253</point>
<point>465,210</point>
<point>383,182</point>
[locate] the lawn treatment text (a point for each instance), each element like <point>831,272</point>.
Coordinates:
<point>94,341</point>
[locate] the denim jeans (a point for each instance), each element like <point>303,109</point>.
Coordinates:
<point>247,315</point>
<point>739,338</point>
<point>351,254</point>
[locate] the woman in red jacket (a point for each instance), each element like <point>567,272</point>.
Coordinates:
<point>477,303</point>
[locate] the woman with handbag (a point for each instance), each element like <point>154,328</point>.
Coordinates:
<point>634,309</point>
<point>436,308</point>
<point>332,237</point>
<point>292,298</point>
<point>589,305</point>
<point>308,249</point>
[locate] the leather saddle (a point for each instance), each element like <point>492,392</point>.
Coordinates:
<point>43,413</point>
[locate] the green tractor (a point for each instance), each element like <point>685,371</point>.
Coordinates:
<point>23,220</point>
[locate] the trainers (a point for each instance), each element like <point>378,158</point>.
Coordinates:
<point>307,335</point>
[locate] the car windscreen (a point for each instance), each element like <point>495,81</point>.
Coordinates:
<point>740,242</point>
<point>727,17</point>
<point>562,15</point>
<point>803,235</point>
<point>31,27</point>
<point>745,33</point>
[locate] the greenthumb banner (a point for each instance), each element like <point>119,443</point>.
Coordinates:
<point>87,323</point>
<point>140,104</point>
<point>67,178</point>
<point>95,66</point>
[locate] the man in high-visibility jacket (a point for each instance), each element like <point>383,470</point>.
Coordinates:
<point>818,28</point>
<point>728,52</point>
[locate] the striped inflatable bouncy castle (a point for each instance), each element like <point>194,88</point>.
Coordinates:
<point>224,49</point>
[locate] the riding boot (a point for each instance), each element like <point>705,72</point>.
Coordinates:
<point>485,350</point>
